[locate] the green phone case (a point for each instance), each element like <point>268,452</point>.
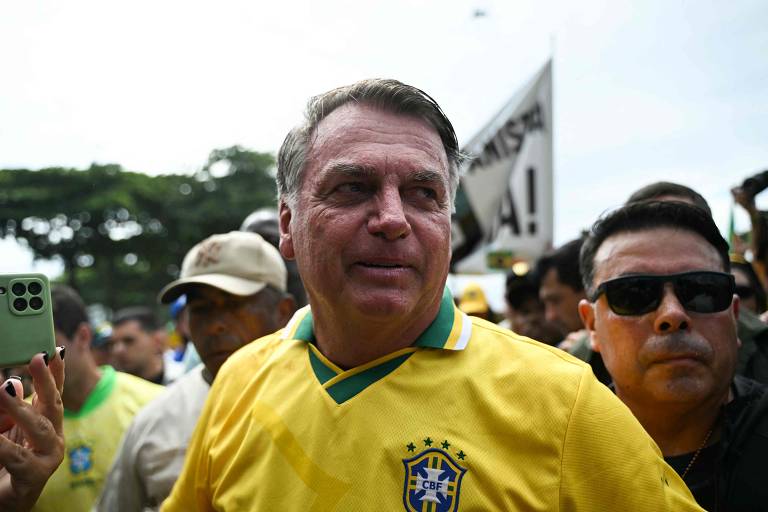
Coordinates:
<point>26,318</point>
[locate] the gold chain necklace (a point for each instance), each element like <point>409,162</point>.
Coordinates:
<point>696,455</point>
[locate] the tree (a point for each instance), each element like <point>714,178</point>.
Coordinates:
<point>122,235</point>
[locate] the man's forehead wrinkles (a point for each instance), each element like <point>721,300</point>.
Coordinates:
<point>379,132</point>
<point>368,172</point>
<point>641,252</point>
<point>349,169</point>
<point>428,175</point>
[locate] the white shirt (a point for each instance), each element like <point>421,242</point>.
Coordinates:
<point>152,452</point>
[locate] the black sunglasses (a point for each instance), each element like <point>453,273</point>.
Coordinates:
<point>699,292</point>
<point>744,292</point>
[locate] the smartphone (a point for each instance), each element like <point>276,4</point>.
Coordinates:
<point>26,318</point>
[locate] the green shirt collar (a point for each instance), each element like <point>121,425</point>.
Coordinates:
<point>450,330</point>
<point>98,395</point>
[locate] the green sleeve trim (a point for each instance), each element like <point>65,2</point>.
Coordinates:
<point>99,394</point>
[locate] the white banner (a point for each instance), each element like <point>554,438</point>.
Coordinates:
<point>504,207</point>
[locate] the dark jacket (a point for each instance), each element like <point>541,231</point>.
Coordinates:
<point>753,354</point>
<point>743,468</point>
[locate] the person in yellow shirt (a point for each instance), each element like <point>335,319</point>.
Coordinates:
<point>381,394</point>
<point>99,404</point>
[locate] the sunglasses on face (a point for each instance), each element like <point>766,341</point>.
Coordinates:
<point>699,292</point>
<point>744,292</point>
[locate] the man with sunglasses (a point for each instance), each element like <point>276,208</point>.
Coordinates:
<point>753,333</point>
<point>661,310</point>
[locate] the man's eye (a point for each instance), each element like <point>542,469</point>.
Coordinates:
<point>425,193</point>
<point>428,192</point>
<point>350,188</point>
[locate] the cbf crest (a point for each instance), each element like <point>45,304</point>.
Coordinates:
<point>432,480</point>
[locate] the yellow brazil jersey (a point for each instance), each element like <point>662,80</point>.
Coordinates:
<point>92,436</point>
<point>471,418</point>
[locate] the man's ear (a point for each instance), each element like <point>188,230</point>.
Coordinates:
<point>83,336</point>
<point>160,338</point>
<point>587,314</point>
<point>286,240</point>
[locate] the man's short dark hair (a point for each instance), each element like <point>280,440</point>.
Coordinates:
<point>667,188</point>
<point>649,215</point>
<point>519,289</point>
<point>740,263</point>
<point>145,316</point>
<point>565,260</point>
<point>68,310</point>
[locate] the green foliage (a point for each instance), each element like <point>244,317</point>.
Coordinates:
<point>122,235</point>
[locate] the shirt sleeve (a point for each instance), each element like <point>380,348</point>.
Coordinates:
<point>191,491</point>
<point>611,463</point>
<point>123,490</point>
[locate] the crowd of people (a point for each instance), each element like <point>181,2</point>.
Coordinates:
<point>628,371</point>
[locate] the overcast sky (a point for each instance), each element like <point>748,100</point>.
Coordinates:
<point>643,91</point>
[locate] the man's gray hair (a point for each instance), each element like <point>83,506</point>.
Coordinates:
<point>389,95</point>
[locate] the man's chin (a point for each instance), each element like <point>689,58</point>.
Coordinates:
<point>384,307</point>
<point>683,389</point>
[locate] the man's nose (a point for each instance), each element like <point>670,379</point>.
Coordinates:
<point>550,314</point>
<point>388,219</point>
<point>671,316</point>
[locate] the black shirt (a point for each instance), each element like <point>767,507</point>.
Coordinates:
<point>701,479</point>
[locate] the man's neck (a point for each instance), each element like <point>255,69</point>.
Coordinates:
<point>677,429</point>
<point>153,372</point>
<point>79,387</point>
<point>349,342</point>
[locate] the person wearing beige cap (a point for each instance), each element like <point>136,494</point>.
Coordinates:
<point>235,286</point>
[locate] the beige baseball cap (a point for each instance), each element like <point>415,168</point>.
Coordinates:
<point>237,262</point>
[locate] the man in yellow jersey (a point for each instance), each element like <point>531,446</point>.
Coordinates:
<point>99,404</point>
<point>382,395</point>
<point>662,311</point>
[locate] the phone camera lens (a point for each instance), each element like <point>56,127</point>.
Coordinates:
<point>34,288</point>
<point>20,304</point>
<point>18,289</point>
<point>35,303</point>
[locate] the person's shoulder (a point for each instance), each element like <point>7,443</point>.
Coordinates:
<point>521,367</point>
<point>141,389</point>
<point>168,405</point>
<point>749,407</point>
<point>242,371</point>
<point>253,354</point>
<point>496,341</point>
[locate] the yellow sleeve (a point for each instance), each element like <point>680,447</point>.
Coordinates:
<point>191,493</point>
<point>611,463</point>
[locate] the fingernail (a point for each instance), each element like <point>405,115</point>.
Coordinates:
<point>10,389</point>
<point>62,351</point>
<point>45,357</point>
<point>15,377</point>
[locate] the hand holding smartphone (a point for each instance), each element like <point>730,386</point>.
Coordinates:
<point>26,318</point>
